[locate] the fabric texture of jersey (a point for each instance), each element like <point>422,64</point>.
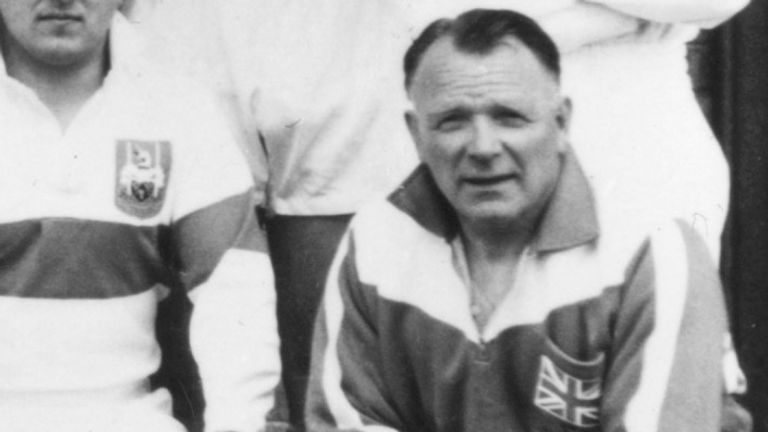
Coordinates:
<point>145,188</point>
<point>317,79</point>
<point>608,326</point>
<point>637,126</point>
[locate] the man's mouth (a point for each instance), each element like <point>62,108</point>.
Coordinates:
<point>59,16</point>
<point>489,180</point>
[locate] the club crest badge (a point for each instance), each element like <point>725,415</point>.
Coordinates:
<point>570,399</point>
<point>142,176</point>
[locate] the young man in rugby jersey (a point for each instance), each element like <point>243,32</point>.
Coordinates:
<point>116,180</point>
<point>494,290</point>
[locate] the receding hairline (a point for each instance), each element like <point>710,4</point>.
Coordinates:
<point>479,31</point>
<point>508,42</point>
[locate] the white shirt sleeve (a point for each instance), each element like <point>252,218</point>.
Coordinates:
<point>582,24</point>
<point>703,13</point>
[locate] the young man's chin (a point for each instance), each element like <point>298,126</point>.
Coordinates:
<point>62,51</point>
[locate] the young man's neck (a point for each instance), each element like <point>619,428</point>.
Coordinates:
<point>64,89</point>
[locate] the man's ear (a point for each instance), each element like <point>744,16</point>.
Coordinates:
<point>563,119</point>
<point>413,127</point>
<point>564,114</point>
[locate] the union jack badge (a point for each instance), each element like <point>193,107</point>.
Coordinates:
<point>142,176</point>
<point>570,399</point>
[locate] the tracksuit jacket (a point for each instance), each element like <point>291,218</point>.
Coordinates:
<point>610,325</point>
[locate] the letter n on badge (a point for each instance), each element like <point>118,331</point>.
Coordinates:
<point>142,176</point>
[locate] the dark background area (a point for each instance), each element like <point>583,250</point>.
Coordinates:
<point>729,67</point>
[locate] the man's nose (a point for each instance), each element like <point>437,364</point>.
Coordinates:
<point>485,142</point>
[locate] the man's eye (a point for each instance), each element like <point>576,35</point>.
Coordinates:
<point>451,123</point>
<point>510,119</point>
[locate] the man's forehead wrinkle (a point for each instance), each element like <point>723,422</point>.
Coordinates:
<point>511,63</point>
<point>474,94</point>
<point>495,86</point>
<point>477,80</point>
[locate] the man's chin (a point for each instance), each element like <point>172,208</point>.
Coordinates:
<point>492,217</point>
<point>62,52</point>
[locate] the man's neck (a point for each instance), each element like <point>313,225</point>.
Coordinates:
<point>492,260</point>
<point>495,243</point>
<point>63,89</point>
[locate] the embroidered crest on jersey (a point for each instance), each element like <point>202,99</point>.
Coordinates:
<point>142,176</point>
<point>570,399</point>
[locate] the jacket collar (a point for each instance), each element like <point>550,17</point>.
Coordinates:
<point>569,220</point>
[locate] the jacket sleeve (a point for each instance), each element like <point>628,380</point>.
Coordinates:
<point>346,391</point>
<point>665,371</point>
<point>220,256</point>
<point>703,13</point>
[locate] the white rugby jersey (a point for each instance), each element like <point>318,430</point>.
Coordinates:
<point>608,326</point>
<point>145,187</point>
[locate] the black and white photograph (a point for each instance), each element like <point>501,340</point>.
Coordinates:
<point>383,215</point>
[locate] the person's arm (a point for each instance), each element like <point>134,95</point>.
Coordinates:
<point>346,391</point>
<point>220,255</point>
<point>583,24</point>
<point>703,13</point>
<point>666,357</point>
<point>589,22</point>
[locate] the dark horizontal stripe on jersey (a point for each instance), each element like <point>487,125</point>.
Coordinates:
<point>200,239</point>
<point>65,258</point>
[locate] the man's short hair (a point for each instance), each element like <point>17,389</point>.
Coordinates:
<point>479,31</point>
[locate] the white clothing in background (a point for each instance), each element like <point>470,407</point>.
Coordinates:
<point>319,79</point>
